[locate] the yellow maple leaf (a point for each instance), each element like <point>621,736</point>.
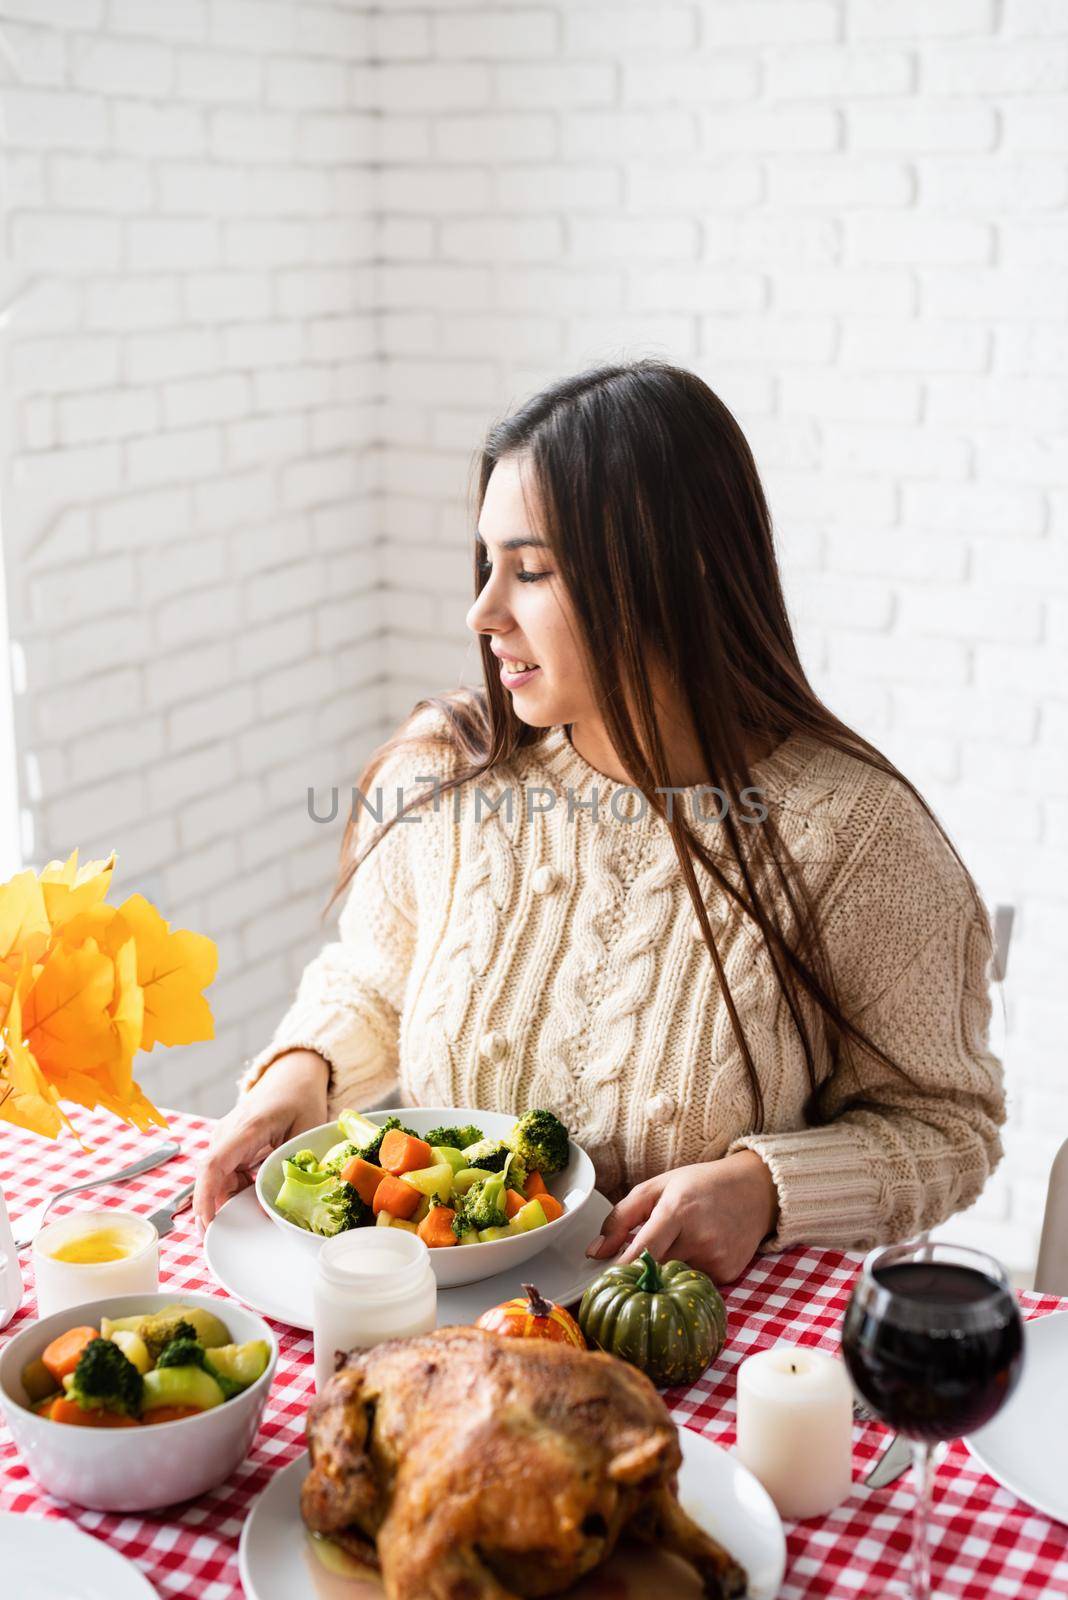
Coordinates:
<point>27,1099</point>
<point>127,1012</point>
<point>135,1107</point>
<point>86,1090</point>
<point>69,889</point>
<point>85,1022</point>
<point>24,928</point>
<point>66,1011</point>
<point>172,968</point>
<point>103,923</point>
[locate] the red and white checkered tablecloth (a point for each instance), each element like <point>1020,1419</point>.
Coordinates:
<point>985,1542</point>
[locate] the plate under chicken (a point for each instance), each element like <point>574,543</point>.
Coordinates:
<point>467,1466</point>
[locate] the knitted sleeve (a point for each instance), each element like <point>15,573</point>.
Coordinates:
<point>919,1151</point>
<point>350,996</point>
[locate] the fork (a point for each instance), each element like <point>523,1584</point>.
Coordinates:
<point>28,1226</point>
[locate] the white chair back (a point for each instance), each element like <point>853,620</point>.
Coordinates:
<point>1051,1268</point>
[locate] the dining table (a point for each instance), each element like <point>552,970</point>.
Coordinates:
<point>985,1541</point>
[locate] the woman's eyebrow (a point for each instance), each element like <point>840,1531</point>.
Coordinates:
<point>515,544</point>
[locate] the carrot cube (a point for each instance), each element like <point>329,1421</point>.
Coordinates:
<point>364,1177</point>
<point>435,1229</point>
<point>64,1410</point>
<point>63,1354</point>
<point>398,1198</point>
<point>401,1152</point>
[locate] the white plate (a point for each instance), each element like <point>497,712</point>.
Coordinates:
<point>262,1267</point>
<point>54,1560</point>
<point>572,1188</point>
<point>1025,1447</point>
<point>277,1560</point>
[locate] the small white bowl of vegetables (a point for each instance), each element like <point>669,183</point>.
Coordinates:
<point>137,1401</point>
<point>485,1191</point>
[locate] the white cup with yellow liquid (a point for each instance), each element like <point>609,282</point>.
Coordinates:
<point>90,1254</point>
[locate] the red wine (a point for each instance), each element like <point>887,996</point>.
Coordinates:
<point>935,1349</point>
<point>937,1283</point>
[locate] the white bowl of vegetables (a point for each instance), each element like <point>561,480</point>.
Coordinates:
<point>139,1400</point>
<point>510,1191</point>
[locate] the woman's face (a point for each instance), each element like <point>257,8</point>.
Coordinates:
<point>524,607</point>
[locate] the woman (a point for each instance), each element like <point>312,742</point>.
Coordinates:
<point>713,928</point>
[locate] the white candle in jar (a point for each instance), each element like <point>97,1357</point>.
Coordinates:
<point>91,1254</point>
<point>371,1284</point>
<point>795,1428</point>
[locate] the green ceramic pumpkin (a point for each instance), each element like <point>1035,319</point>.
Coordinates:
<point>669,1320</point>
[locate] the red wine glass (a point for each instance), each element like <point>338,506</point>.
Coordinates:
<point>933,1342</point>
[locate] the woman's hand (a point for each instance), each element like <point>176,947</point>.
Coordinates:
<point>712,1215</point>
<point>290,1097</point>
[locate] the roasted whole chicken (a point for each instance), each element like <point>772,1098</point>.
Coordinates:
<point>467,1466</point>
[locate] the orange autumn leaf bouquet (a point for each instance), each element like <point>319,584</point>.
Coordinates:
<point>83,986</point>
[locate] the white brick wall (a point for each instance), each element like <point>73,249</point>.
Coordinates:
<point>284,261</point>
<point>188,513</point>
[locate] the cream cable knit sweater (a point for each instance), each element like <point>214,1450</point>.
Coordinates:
<point>545,959</point>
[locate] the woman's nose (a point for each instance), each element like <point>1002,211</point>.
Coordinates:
<point>486,616</point>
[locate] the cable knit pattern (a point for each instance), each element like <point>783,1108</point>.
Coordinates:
<point>486,893</point>
<point>535,955</point>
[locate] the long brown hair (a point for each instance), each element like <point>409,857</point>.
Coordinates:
<point>658,525</point>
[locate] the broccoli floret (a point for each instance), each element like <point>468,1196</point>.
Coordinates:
<point>163,1327</point>
<point>181,1353</point>
<point>105,1378</point>
<point>302,1191</point>
<point>307,1160</point>
<point>339,1156</point>
<point>339,1208</point>
<point>491,1155</point>
<point>357,1128</point>
<point>540,1140</point>
<point>454,1138</point>
<point>483,1205</point>
<point>461,1222</point>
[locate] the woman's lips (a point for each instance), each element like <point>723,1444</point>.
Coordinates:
<point>513,680</point>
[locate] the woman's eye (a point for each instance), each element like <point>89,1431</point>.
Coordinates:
<point>486,567</point>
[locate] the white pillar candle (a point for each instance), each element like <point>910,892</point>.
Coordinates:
<point>795,1428</point>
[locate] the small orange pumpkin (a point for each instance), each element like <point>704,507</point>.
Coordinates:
<point>532,1318</point>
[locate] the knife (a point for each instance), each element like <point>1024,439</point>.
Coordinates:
<point>163,1220</point>
<point>896,1459</point>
